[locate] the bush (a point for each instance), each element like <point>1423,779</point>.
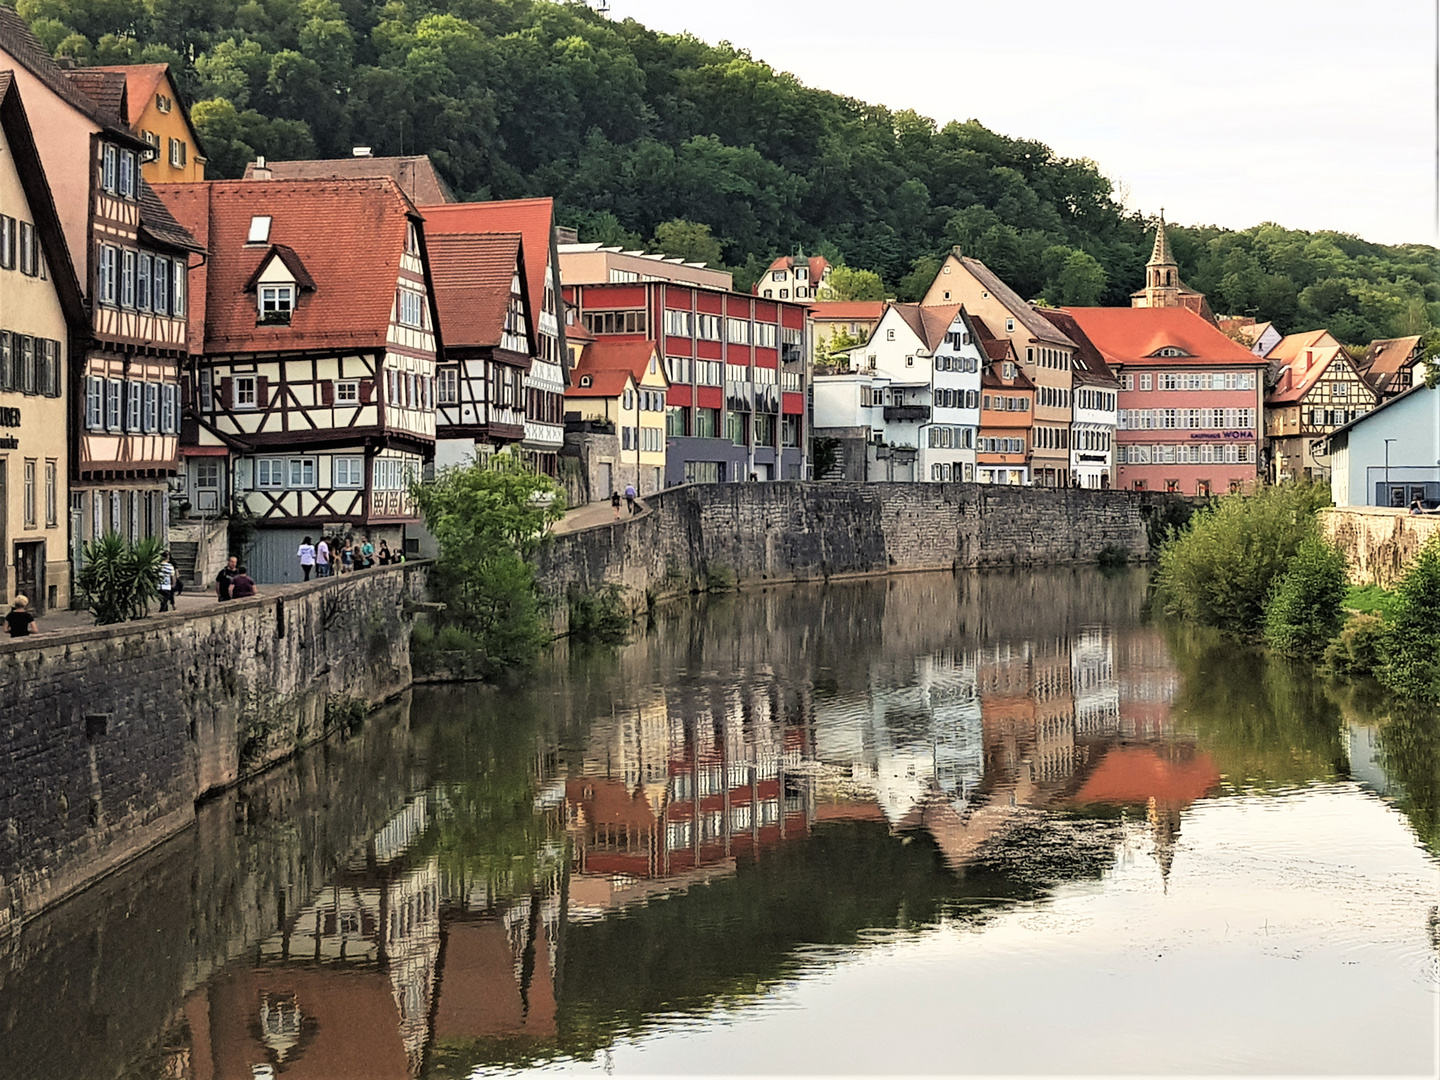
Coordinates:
<point>1357,650</point>
<point>1304,611</point>
<point>1112,556</point>
<point>1411,666</point>
<point>1220,570</point>
<point>119,579</point>
<point>599,616</point>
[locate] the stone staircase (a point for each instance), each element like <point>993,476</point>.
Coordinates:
<point>183,554</point>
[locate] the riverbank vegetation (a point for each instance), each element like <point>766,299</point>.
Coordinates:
<point>488,519</point>
<point>1256,568</point>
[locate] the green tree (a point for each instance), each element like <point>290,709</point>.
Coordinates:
<point>847,284</point>
<point>688,240</point>
<point>916,283</point>
<point>1305,609</point>
<point>488,519</point>
<point>1411,649</point>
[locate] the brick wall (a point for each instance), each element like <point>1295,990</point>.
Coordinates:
<point>803,531</point>
<point>110,734</point>
<point>1379,543</point>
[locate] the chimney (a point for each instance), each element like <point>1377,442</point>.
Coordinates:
<point>565,235</point>
<point>260,171</point>
<point>361,151</point>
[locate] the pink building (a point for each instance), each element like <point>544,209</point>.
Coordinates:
<point>1191,400</point>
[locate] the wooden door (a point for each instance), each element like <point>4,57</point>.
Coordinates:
<point>30,573</point>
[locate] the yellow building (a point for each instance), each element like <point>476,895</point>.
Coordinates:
<point>40,309</point>
<point>622,382</point>
<point>153,110</point>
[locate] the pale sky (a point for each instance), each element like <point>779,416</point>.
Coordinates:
<point>1315,115</point>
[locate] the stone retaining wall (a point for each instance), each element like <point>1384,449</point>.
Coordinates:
<point>791,531</point>
<point>109,735</point>
<point>1378,543</point>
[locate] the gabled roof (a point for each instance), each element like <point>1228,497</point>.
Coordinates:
<point>472,274</point>
<point>416,175</point>
<point>533,219</point>
<point>46,218</point>
<point>157,223</point>
<point>990,379</point>
<point>1246,327</point>
<point>350,235</point>
<point>1385,358</point>
<point>142,83</point>
<point>18,41</point>
<point>1026,315</point>
<point>848,310</point>
<point>815,264</point>
<point>1090,367</point>
<point>929,321</point>
<point>290,259</point>
<point>602,384</point>
<point>1291,345</point>
<point>995,348</point>
<point>1134,335</point>
<point>1298,379</point>
<point>608,353</point>
<point>104,87</point>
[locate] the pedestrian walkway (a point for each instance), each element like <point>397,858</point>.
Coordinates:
<point>593,514</point>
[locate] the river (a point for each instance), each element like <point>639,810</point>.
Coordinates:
<point>985,823</point>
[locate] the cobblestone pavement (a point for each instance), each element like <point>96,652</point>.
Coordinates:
<point>592,514</point>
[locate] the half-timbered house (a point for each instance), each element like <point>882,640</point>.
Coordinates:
<point>1318,389</point>
<point>489,342</point>
<point>317,381</point>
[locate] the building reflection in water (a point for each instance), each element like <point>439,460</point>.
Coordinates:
<point>979,721</point>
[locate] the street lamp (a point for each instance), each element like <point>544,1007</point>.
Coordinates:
<point>1387,467</point>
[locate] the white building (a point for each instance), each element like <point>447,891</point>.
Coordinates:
<point>916,386</point>
<point>1094,404</point>
<point>1391,455</point>
<point>793,278</point>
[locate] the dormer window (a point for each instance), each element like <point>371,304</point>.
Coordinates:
<point>1171,350</point>
<point>259,230</point>
<point>412,239</point>
<point>162,103</point>
<point>277,302</point>
<point>586,380</point>
<point>1009,370</point>
<point>800,275</point>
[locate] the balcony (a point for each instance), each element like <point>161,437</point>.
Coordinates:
<point>907,412</point>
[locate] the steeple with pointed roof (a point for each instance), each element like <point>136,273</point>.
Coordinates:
<point>1163,287</point>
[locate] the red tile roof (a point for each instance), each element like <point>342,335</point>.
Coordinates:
<point>1090,367</point>
<point>851,310</point>
<point>606,384</point>
<point>1297,378</point>
<point>415,174</point>
<point>1135,774</point>
<point>533,219</point>
<point>104,87</point>
<point>350,235</point>
<point>1384,359</point>
<point>1290,346</point>
<point>472,273</point>
<point>1134,335</point>
<point>930,322</point>
<point>142,83</point>
<point>629,354</point>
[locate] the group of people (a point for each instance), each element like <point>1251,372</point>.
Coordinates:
<point>337,556</point>
<point>234,581</point>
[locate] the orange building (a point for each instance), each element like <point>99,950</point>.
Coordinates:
<point>1007,409</point>
<point>145,99</point>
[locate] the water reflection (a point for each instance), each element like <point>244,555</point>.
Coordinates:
<point>758,789</point>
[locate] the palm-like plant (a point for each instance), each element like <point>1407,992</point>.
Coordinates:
<point>119,579</point>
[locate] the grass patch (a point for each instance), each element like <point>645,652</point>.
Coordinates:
<point>1369,600</point>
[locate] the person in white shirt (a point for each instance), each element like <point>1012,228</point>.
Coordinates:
<point>167,582</point>
<point>322,558</point>
<point>307,557</point>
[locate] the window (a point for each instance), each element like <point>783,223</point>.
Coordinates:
<point>277,302</point>
<point>737,428</point>
<point>259,230</point>
<point>1146,381</point>
<point>114,404</point>
<point>29,493</point>
<point>708,327</point>
<point>347,392</point>
<point>677,369</point>
<point>448,385</point>
<point>707,423</point>
<point>677,421</point>
<point>269,473</point>
<point>108,274</point>
<point>169,409</point>
<point>412,309</point>
<point>9,227</point>
<point>245,396</point>
<point>889,335</point>
<point>134,405</point>
<point>764,430</point>
<point>109,167</point>
<point>28,251</point>
<point>151,418</point>
<point>677,323</point>
<point>127,279</point>
<point>790,430</point>
<point>177,288</point>
<point>26,382</point>
<point>765,335</point>
<point>143,266</point>
<point>52,505</point>
<point>160,286</point>
<point>177,153</point>
<point>617,322</point>
<point>300,472</point>
<point>94,403</point>
<point>127,173</point>
<point>737,331</point>
<point>349,472</point>
<point>162,103</point>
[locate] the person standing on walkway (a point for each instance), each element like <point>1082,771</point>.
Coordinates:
<point>630,497</point>
<point>242,585</point>
<point>322,558</point>
<point>306,555</point>
<point>225,577</point>
<point>367,552</point>
<point>166,586</point>
<point>19,622</point>
<point>615,503</point>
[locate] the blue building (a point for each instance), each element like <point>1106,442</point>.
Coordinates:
<point>1391,455</point>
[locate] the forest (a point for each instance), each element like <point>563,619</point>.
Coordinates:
<point>705,152</point>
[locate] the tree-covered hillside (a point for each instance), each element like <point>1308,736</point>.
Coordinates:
<point>646,137</point>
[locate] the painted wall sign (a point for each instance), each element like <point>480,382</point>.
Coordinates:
<point>9,416</point>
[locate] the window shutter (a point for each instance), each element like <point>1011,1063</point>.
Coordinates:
<point>367,391</point>
<point>227,393</point>
<point>262,392</point>
<point>327,392</point>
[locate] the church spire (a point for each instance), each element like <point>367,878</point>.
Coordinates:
<point>1161,255</point>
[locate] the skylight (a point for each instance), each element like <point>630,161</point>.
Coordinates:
<point>259,230</point>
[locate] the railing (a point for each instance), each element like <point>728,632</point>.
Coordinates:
<point>907,412</point>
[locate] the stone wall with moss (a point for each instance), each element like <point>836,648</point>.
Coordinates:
<point>109,735</point>
<point>1379,543</point>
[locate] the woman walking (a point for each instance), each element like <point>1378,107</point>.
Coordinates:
<point>306,555</point>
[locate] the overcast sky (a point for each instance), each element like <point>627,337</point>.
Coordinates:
<point>1315,115</point>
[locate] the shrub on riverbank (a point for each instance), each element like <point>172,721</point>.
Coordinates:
<point>1357,651</point>
<point>1411,667</point>
<point>1303,611</point>
<point>488,519</point>
<point>1221,568</point>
